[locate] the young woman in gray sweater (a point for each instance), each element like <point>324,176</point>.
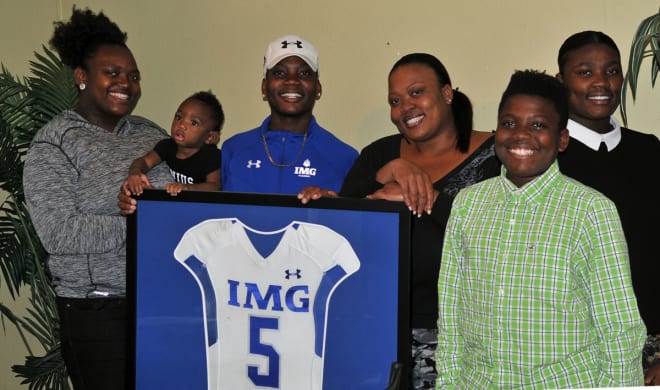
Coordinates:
<point>73,170</point>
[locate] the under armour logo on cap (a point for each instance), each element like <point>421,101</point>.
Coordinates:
<point>288,46</point>
<point>285,44</point>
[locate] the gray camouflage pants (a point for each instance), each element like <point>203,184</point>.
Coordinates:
<point>424,342</point>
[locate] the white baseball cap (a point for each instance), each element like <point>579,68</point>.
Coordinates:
<point>288,46</point>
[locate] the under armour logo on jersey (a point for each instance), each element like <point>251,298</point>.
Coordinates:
<point>255,164</point>
<point>288,274</point>
<point>285,44</point>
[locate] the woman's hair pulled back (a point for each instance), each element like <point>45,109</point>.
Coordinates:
<point>78,38</point>
<point>461,106</point>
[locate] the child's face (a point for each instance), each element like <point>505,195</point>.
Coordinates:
<point>528,137</point>
<point>192,123</point>
<point>593,76</point>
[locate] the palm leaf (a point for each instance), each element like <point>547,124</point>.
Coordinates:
<point>11,166</point>
<point>26,104</point>
<point>45,372</point>
<point>48,97</point>
<point>13,100</point>
<point>5,312</point>
<point>647,35</point>
<point>15,261</point>
<point>43,319</point>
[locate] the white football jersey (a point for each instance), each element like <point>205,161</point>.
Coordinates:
<point>267,327</point>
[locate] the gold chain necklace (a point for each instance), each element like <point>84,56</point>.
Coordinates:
<point>270,157</point>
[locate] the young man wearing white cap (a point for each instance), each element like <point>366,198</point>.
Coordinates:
<point>289,151</point>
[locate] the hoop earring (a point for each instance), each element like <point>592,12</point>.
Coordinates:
<point>82,86</point>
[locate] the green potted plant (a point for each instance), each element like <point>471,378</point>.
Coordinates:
<point>26,104</point>
<point>646,43</point>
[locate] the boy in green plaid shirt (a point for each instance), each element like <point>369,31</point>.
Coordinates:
<point>534,287</point>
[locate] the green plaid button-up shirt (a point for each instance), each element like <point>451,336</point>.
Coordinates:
<point>535,289</point>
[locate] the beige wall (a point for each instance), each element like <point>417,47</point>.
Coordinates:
<point>219,44</point>
<point>182,47</point>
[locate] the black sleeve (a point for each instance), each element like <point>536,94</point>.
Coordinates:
<point>361,179</point>
<point>212,158</point>
<point>164,148</point>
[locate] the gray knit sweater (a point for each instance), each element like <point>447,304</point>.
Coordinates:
<point>72,175</point>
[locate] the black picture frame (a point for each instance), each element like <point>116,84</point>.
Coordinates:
<point>366,328</point>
